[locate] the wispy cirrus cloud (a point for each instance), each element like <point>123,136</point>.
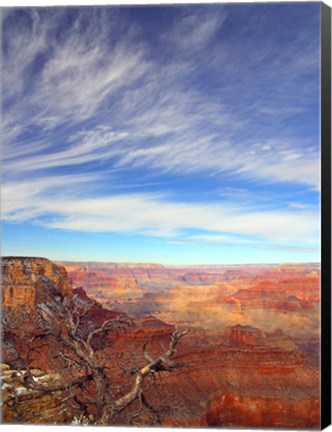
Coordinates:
<point>21,201</point>
<point>94,96</point>
<point>51,79</point>
<point>51,205</point>
<point>83,147</point>
<point>229,240</point>
<point>172,127</point>
<point>194,29</point>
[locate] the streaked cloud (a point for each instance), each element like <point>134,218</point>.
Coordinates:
<point>193,30</point>
<point>83,147</point>
<point>51,80</point>
<point>224,240</point>
<point>150,214</point>
<point>99,100</point>
<point>187,130</point>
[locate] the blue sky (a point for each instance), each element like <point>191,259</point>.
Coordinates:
<point>172,134</point>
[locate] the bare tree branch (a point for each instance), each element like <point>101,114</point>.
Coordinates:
<point>61,319</point>
<point>152,367</point>
<point>146,354</point>
<point>107,325</point>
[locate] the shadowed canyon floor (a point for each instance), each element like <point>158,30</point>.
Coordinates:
<point>251,358</point>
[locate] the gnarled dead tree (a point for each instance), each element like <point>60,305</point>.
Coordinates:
<point>61,319</point>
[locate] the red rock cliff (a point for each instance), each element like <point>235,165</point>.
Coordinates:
<point>28,281</point>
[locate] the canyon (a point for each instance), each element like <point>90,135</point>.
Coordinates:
<point>250,359</point>
<point>263,296</point>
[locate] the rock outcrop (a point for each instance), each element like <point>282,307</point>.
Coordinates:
<point>227,372</point>
<point>236,410</point>
<point>28,281</point>
<point>245,336</point>
<point>37,408</point>
<point>36,332</point>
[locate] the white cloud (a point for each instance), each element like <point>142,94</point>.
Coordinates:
<point>76,75</point>
<point>155,118</point>
<point>144,113</point>
<point>84,147</point>
<point>22,201</point>
<point>150,214</point>
<point>194,29</point>
<point>231,240</point>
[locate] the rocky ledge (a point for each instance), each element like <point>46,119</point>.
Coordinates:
<point>28,281</point>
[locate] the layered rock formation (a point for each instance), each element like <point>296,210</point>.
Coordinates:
<point>238,366</point>
<point>38,331</point>
<point>30,335</point>
<point>109,281</point>
<point>28,281</point>
<point>39,409</point>
<point>238,410</point>
<point>267,296</point>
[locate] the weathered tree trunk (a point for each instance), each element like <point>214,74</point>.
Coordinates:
<point>78,351</point>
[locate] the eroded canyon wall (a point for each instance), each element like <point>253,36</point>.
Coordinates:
<point>28,281</point>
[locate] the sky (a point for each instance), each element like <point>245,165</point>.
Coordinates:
<point>166,134</point>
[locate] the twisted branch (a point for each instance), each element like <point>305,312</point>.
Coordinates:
<point>150,368</point>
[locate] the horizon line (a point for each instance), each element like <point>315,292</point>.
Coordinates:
<point>164,264</point>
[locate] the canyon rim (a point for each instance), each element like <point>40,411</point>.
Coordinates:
<point>97,344</point>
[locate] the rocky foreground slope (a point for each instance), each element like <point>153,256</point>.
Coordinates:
<point>236,375</point>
